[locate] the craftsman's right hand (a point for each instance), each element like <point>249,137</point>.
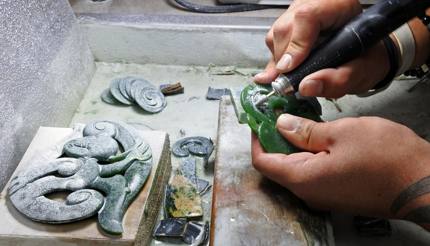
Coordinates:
<point>295,32</point>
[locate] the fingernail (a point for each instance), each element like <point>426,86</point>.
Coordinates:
<point>313,87</point>
<point>259,76</point>
<point>284,62</point>
<point>288,122</point>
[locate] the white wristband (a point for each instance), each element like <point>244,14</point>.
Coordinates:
<point>406,41</point>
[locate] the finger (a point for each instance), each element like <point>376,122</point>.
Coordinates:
<point>268,75</point>
<point>357,76</point>
<point>330,83</point>
<point>304,133</point>
<point>284,169</point>
<point>269,41</point>
<point>280,33</point>
<point>308,20</point>
<point>281,37</point>
<point>304,34</point>
<point>291,171</point>
<point>256,146</point>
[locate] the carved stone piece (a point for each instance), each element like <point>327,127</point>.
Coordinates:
<point>199,146</point>
<point>262,118</point>
<point>132,90</point>
<point>102,179</point>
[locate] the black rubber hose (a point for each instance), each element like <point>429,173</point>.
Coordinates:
<point>220,8</point>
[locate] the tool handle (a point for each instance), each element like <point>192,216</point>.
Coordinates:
<point>357,36</point>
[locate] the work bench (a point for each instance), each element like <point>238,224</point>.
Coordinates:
<point>163,44</point>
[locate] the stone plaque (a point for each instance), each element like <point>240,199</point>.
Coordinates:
<point>138,221</point>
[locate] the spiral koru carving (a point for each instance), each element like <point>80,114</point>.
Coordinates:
<point>133,90</point>
<point>150,99</point>
<point>102,179</point>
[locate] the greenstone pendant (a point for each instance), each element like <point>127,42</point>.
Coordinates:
<point>262,119</point>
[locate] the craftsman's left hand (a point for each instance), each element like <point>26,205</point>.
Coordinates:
<point>357,165</point>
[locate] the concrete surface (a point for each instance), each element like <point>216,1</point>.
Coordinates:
<point>46,65</point>
<point>163,7</point>
<point>168,40</point>
<point>155,31</point>
<point>188,114</point>
<point>16,229</point>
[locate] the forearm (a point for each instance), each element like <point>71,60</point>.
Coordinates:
<point>413,45</point>
<point>422,40</point>
<point>413,203</point>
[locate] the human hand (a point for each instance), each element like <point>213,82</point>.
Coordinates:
<point>357,165</point>
<point>293,35</point>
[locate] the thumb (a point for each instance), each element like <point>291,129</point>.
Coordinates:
<point>304,133</point>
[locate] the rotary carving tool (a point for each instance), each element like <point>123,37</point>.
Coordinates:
<point>351,41</point>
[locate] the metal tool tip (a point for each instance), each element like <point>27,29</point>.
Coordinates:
<point>261,100</point>
<point>264,98</point>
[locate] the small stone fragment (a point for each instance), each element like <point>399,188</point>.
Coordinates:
<point>216,94</point>
<point>196,233</point>
<point>188,169</point>
<point>182,198</point>
<point>172,89</point>
<point>171,227</point>
<point>203,186</point>
<point>192,233</point>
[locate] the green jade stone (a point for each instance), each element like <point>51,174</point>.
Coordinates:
<point>262,118</point>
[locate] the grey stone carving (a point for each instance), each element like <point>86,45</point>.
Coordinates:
<point>108,98</point>
<point>132,90</point>
<point>102,177</point>
<point>199,146</point>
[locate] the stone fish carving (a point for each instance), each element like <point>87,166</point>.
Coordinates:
<point>104,170</point>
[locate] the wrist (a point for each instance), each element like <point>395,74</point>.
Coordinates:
<point>404,39</point>
<point>413,202</point>
<point>422,41</point>
<point>422,56</point>
<point>388,65</point>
